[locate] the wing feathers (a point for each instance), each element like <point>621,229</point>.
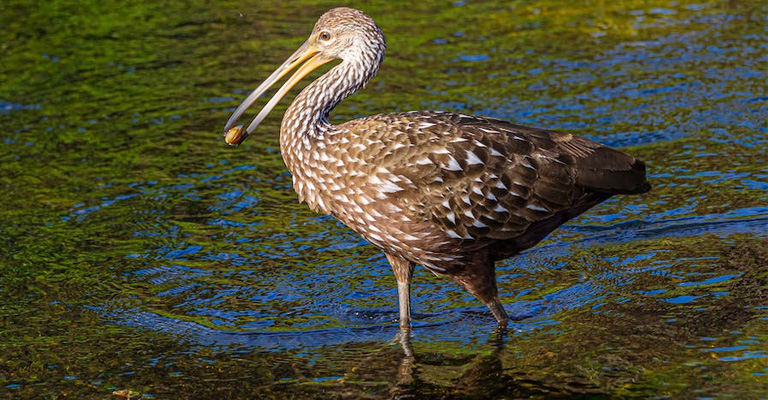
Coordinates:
<point>485,179</point>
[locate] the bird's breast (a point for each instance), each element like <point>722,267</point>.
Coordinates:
<point>343,177</point>
<point>327,177</point>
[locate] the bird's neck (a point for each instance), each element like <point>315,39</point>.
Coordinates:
<point>305,125</point>
<point>307,116</point>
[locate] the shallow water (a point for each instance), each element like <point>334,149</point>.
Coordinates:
<point>138,252</point>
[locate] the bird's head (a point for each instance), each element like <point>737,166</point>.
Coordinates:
<point>341,33</point>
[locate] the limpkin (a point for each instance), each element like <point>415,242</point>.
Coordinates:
<point>451,192</point>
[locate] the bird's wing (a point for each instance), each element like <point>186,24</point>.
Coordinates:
<point>482,178</point>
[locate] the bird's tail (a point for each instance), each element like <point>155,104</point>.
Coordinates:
<point>609,171</point>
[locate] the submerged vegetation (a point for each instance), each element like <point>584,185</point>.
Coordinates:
<point>137,252</point>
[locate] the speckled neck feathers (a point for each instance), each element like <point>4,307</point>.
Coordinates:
<point>306,120</point>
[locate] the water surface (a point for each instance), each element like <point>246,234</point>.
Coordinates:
<point>138,252</point>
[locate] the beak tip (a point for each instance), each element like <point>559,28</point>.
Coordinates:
<point>234,136</point>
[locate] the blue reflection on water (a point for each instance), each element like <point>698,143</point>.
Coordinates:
<point>6,107</point>
<point>717,279</point>
<point>681,299</point>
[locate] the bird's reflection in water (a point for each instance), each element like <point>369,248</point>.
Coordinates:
<point>402,387</point>
<point>485,366</point>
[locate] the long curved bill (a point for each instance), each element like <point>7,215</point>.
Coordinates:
<point>307,52</point>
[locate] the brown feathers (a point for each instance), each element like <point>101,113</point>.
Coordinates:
<point>456,182</point>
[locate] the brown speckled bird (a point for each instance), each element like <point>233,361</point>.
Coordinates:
<point>452,192</point>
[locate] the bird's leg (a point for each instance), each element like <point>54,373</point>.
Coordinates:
<point>481,282</point>
<point>498,311</point>
<point>403,270</point>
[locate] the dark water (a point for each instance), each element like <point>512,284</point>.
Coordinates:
<point>138,253</point>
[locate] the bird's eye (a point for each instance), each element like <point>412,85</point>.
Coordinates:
<point>325,36</point>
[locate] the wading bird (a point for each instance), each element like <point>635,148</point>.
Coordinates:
<point>451,192</point>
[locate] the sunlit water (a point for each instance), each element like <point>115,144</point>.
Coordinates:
<point>139,253</point>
